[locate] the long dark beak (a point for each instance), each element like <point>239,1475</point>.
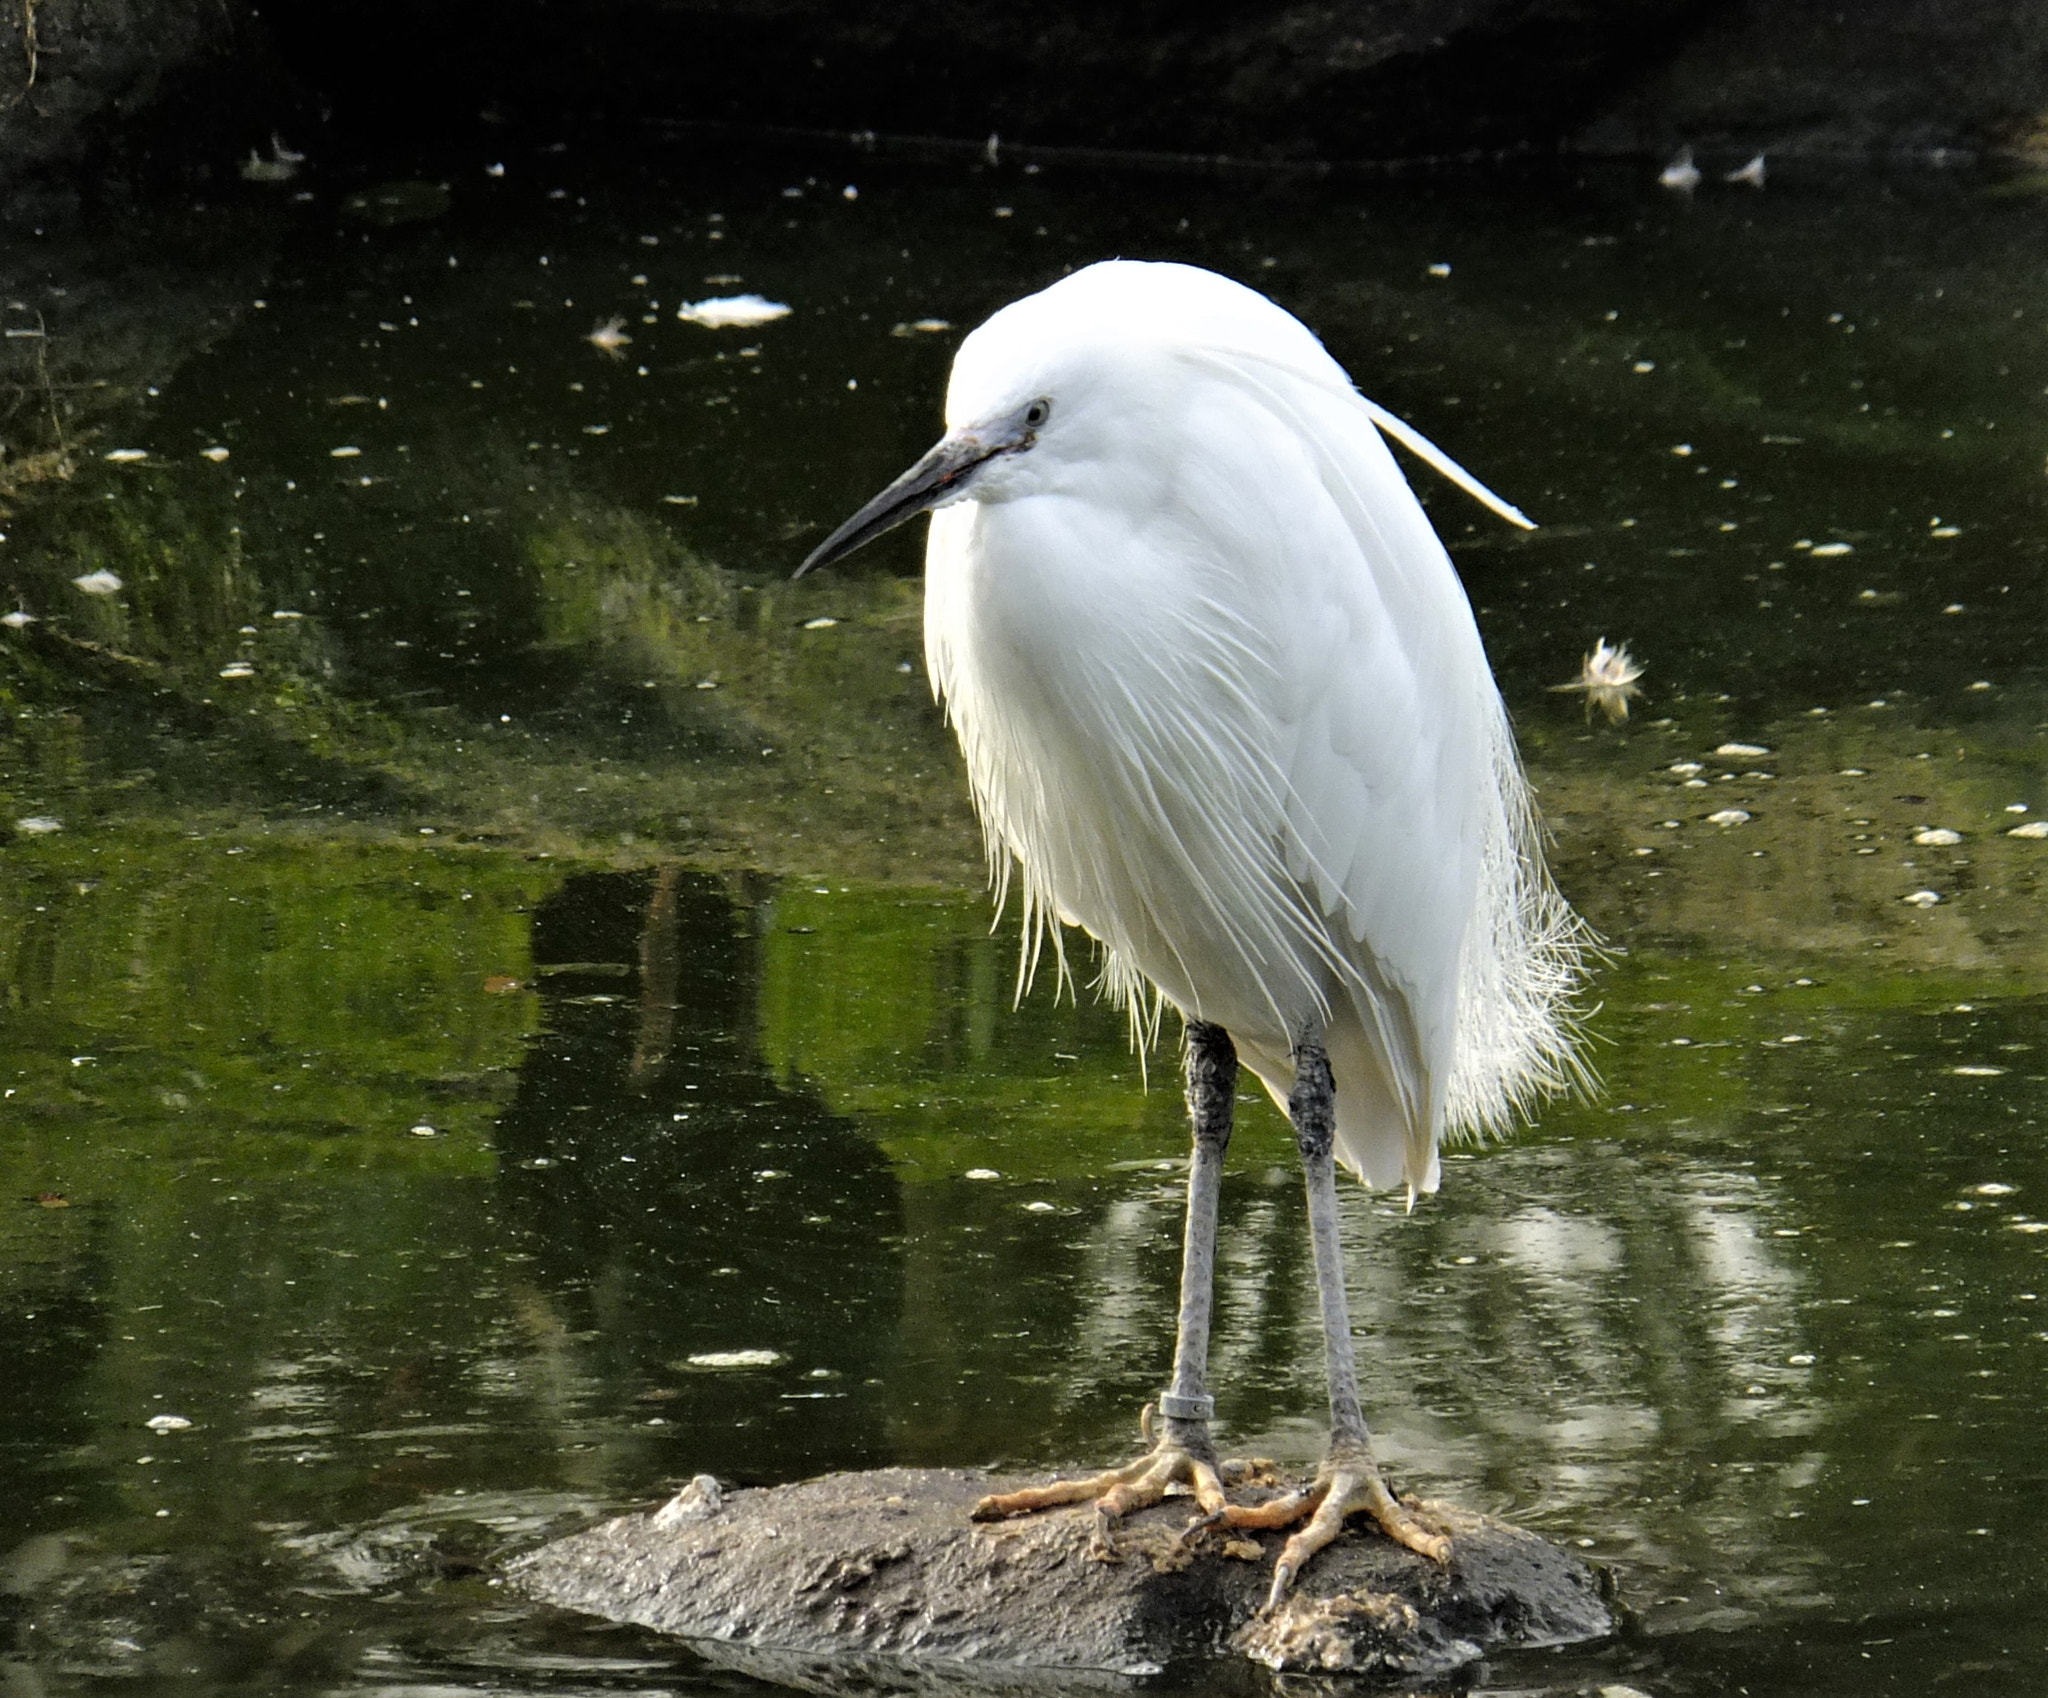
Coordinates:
<point>932,481</point>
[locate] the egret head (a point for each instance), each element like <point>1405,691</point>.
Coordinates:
<point>1072,377</point>
<point>1024,400</point>
<point>970,459</point>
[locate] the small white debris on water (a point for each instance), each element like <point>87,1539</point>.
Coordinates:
<point>238,669</point>
<point>1729,816</point>
<point>1970,1070</point>
<point>982,1173</point>
<point>38,825</point>
<point>1946,531</point>
<point>281,167</point>
<point>722,1359</point>
<point>1937,837</point>
<point>2034,830</point>
<point>101,582</point>
<point>680,500</point>
<point>1736,751</point>
<point>1995,1187</point>
<point>1682,449</point>
<point>610,338</point>
<point>1439,270</point>
<point>423,1130</point>
<point>1828,550</point>
<point>1607,677</point>
<point>1040,1207</point>
<point>725,312</point>
<point>1642,368</point>
<point>1684,769</point>
<point>127,456</point>
<point>1922,898</point>
<point>1681,175</point>
<point>345,452</point>
<point>286,613</point>
<point>167,1424</point>
<point>824,622</point>
<point>1752,174</point>
<point>19,620</point>
<point>216,454</point>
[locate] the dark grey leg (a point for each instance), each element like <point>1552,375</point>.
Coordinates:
<point>1312,1106</point>
<point>1349,1478</point>
<point>1212,1104</point>
<point>1184,1454</point>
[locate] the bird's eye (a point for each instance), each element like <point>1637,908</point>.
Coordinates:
<point>1038,412</point>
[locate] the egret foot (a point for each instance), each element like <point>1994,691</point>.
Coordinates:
<point>1348,1482</point>
<point>1181,1458</point>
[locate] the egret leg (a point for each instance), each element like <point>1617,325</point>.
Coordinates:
<point>1212,1107</point>
<point>1184,1454</point>
<point>1349,1478</point>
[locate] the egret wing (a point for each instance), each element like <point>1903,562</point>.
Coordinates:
<point>1384,729</point>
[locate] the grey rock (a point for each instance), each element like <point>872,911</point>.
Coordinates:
<point>881,1580</point>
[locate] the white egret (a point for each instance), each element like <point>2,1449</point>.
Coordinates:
<point>1224,707</point>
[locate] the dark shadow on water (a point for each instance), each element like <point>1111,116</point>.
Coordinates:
<point>680,1202</point>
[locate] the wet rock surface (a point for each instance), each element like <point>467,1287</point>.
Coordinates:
<point>864,1573</point>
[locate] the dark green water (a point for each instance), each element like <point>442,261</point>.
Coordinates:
<point>440,1016</point>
